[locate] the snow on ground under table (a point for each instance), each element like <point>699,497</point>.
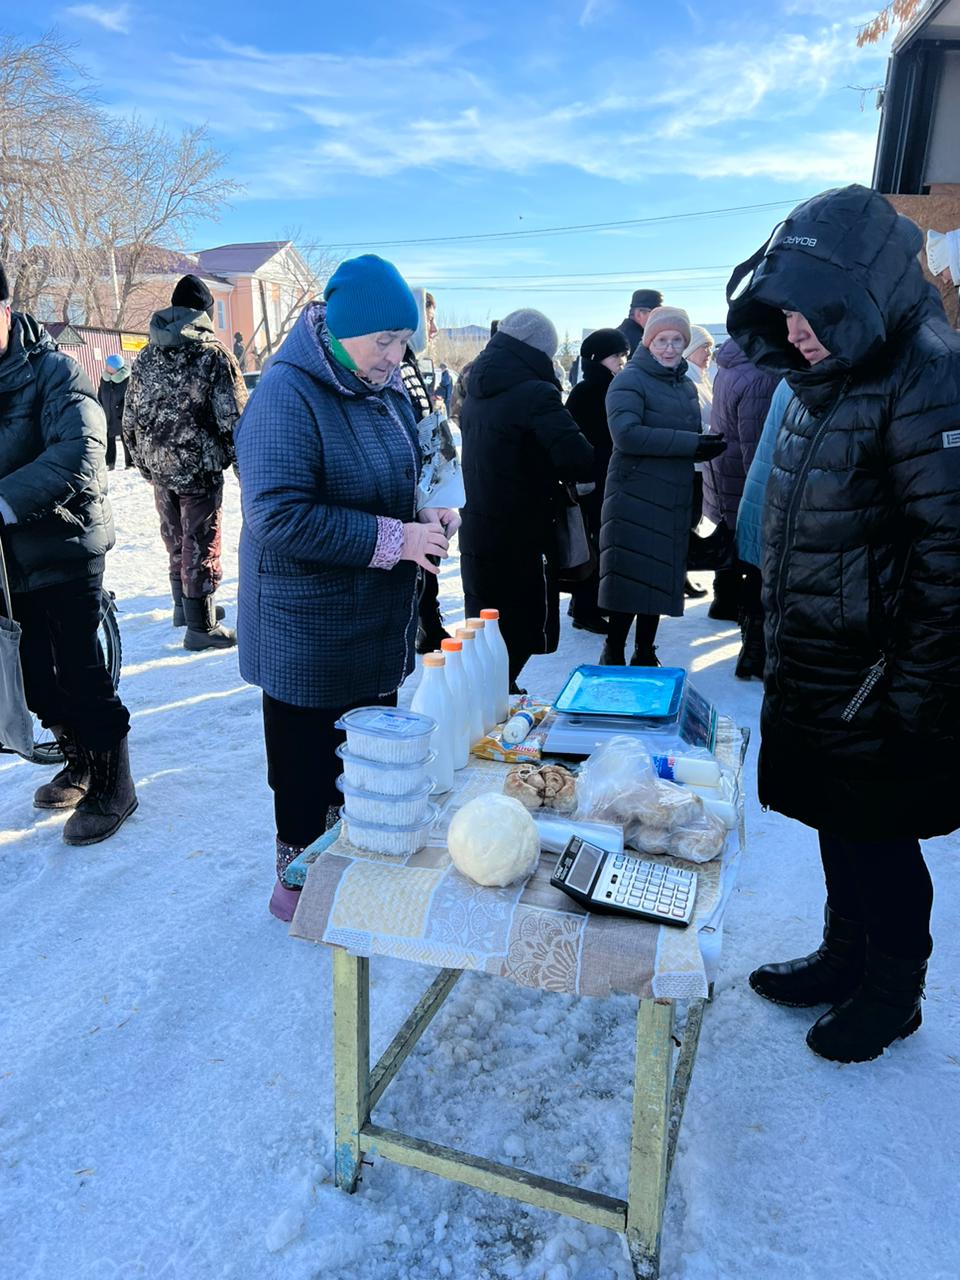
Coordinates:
<point>165,1071</point>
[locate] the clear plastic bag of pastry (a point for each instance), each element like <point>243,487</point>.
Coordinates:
<point>699,838</point>
<point>618,782</point>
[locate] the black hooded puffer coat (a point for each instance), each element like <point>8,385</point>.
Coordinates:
<point>861,715</point>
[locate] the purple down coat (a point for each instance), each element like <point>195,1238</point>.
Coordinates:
<point>741,398</point>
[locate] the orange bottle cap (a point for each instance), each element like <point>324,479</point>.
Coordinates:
<point>434,660</point>
<point>490,614</point>
<point>451,646</point>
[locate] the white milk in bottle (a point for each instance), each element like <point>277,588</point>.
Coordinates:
<point>473,675</point>
<point>497,646</point>
<point>433,699</point>
<point>457,684</point>
<point>488,667</point>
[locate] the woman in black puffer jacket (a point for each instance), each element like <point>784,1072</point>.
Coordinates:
<point>861,716</point>
<point>602,355</point>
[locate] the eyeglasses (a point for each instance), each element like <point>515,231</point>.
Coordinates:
<point>662,344</point>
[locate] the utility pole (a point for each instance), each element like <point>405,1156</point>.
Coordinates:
<point>266,321</point>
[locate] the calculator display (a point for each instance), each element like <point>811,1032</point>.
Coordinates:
<point>580,876</point>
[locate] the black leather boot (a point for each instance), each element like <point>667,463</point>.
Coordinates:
<point>109,801</point>
<point>644,656</point>
<point>612,655</point>
<point>203,629</point>
<point>692,591</point>
<point>179,620</point>
<point>885,1008</point>
<point>753,650</point>
<point>725,605</point>
<point>67,788</point>
<point>830,974</point>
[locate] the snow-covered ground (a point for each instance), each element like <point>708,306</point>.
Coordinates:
<point>165,1069</point>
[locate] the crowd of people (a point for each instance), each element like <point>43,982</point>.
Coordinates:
<point>826,438</point>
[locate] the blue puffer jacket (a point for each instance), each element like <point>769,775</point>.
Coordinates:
<point>320,456</point>
<point>750,512</point>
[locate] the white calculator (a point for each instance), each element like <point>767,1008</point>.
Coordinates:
<point>604,881</point>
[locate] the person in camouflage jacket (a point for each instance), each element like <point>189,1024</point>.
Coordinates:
<point>185,396</point>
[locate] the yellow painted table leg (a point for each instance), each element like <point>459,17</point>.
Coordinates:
<point>649,1140</point>
<point>351,1062</point>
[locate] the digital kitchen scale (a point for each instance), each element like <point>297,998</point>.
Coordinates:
<point>579,735</point>
<point>625,885</point>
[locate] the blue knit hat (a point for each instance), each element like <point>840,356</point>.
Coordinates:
<point>114,363</point>
<point>368,295</point>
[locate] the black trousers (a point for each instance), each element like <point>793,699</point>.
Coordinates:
<point>644,635</point>
<point>112,451</point>
<point>884,885</point>
<point>302,767</point>
<point>64,676</point>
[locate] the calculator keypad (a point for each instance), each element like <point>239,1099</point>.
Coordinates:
<point>648,889</point>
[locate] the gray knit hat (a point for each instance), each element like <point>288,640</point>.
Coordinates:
<point>533,328</point>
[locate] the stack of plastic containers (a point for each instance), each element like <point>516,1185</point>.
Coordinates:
<point>387,780</point>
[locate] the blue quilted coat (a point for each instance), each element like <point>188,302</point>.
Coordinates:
<point>320,456</point>
<point>750,511</point>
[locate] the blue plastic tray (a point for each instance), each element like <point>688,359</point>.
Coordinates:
<point>650,693</point>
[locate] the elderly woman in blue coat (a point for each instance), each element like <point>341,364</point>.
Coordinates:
<point>332,541</point>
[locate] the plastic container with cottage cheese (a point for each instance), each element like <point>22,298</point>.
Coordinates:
<point>387,734</point>
<point>393,811</point>
<point>383,779</point>
<point>376,837</point>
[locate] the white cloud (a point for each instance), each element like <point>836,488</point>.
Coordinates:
<point>836,157</point>
<point>721,109</point>
<point>117,19</point>
<point>594,9</point>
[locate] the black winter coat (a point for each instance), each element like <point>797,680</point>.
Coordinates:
<point>654,416</point>
<point>52,472</point>
<point>586,403</point>
<point>519,442</point>
<point>861,714</point>
<point>111,396</point>
<point>632,331</point>
<point>741,398</point>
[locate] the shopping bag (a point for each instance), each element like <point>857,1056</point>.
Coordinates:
<point>576,559</point>
<point>16,723</point>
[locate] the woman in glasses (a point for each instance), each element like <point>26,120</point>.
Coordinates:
<point>654,418</point>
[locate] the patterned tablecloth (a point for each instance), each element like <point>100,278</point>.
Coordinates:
<point>421,908</point>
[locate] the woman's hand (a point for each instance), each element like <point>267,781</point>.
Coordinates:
<point>421,540</point>
<point>449,517</point>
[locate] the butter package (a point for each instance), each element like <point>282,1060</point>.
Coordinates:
<point>492,746</point>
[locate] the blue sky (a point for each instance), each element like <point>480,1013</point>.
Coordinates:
<point>356,123</point>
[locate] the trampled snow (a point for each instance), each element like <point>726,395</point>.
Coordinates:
<point>165,1066</point>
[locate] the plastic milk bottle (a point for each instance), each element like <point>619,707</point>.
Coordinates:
<point>457,684</point>
<point>433,699</point>
<point>497,646</point>
<point>473,675</point>
<point>487,666</point>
